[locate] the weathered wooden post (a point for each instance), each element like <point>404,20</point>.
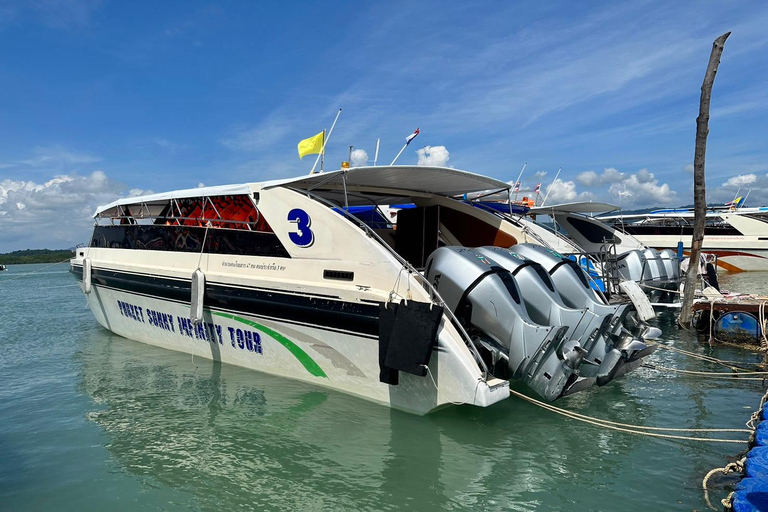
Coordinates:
<point>699,189</point>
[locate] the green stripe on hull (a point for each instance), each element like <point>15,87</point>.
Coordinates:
<point>304,358</point>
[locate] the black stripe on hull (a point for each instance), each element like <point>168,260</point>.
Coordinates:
<point>333,314</point>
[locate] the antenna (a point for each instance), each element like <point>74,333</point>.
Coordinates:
<point>517,181</point>
<point>550,187</point>
<point>376,156</point>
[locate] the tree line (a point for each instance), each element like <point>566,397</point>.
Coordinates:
<point>35,256</point>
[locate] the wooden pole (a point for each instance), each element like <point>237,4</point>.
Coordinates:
<point>699,189</point>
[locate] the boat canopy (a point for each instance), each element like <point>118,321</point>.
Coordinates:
<point>390,184</point>
<point>364,186</point>
<point>579,207</point>
<point>160,200</point>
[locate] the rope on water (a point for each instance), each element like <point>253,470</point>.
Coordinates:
<point>36,271</point>
<point>727,364</point>
<point>763,326</point>
<point>614,425</point>
<point>714,375</point>
<point>755,418</point>
<point>729,468</point>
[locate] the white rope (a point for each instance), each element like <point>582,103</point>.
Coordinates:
<point>660,289</point>
<point>202,248</point>
<point>610,425</point>
<point>702,357</point>
<point>763,325</point>
<point>37,271</point>
<point>714,375</point>
<point>729,468</point>
<point>441,395</point>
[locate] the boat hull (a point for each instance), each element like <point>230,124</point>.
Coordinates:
<point>320,355</point>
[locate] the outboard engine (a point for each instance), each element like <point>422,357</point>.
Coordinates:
<point>486,299</point>
<point>623,331</point>
<point>632,266</point>
<point>545,307</point>
<point>672,266</point>
<point>656,264</point>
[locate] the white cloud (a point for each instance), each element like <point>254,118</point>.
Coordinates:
<point>436,156</point>
<point>270,132</point>
<point>53,157</point>
<point>359,158</point>
<point>609,175</point>
<point>641,189</point>
<point>55,214</point>
<point>740,180</point>
<point>565,192</point>
<point>587,178</point>
<point>688,168</point>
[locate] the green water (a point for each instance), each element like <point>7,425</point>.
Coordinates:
<point>91,421</point>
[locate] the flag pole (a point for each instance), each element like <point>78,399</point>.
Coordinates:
<point>322,155</point>
<point>745,199</point>
<point>518,180</point>
<point>400,153</point>
<point>325,141</point>
<point>408,140</point>
<point>550,187</point>
<point>376,156</point>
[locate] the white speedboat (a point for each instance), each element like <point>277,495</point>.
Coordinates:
<point>3,267</point>
<point>739,237</point>
<point>626,256</point>
<point>280,277</point>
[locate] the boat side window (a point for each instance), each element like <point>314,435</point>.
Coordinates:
<point>229,224</point>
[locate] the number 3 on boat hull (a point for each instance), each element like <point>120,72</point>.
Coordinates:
<point>303,237</point>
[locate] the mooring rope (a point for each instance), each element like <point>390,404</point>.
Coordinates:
<point>36,271</point>
<point>755,418</point>
<point>714,375</point>
<point>614,425</point>
<point>710,359</point>
<point>660,289</point>
<point>728,468</point>
<point>763,325</point>
<point>474,395</point>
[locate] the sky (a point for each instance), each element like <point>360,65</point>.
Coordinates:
<point>103,99</point>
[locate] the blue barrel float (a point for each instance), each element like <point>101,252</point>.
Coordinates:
<point>751,494</point>
<point>737,326</point>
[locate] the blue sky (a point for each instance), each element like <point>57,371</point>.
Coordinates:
<point>103,99</point>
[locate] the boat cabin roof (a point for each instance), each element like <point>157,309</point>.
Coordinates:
<point>578,207</point>
<point>363,185</point>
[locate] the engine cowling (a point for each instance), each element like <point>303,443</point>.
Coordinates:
<point>487,300</point>
<point>622,331</point>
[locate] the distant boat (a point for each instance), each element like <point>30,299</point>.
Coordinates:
<point>3,267</point>
<point>738,237</point>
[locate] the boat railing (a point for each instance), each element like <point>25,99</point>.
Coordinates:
<point>434,295</point>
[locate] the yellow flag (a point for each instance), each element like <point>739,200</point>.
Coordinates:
<point>311,146</point>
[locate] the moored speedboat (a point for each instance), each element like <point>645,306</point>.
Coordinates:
<point>280,277</point>
<point>738,237</point>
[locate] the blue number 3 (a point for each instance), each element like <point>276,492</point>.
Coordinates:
<point>303,236</point>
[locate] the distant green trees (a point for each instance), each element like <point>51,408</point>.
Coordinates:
<point>35,256</point>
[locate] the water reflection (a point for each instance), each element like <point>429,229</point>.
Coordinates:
<point>233,437</point>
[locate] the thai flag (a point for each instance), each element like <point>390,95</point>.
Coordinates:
<point>517,186</point>
<point>412,136</point>
<point>537,189</point>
